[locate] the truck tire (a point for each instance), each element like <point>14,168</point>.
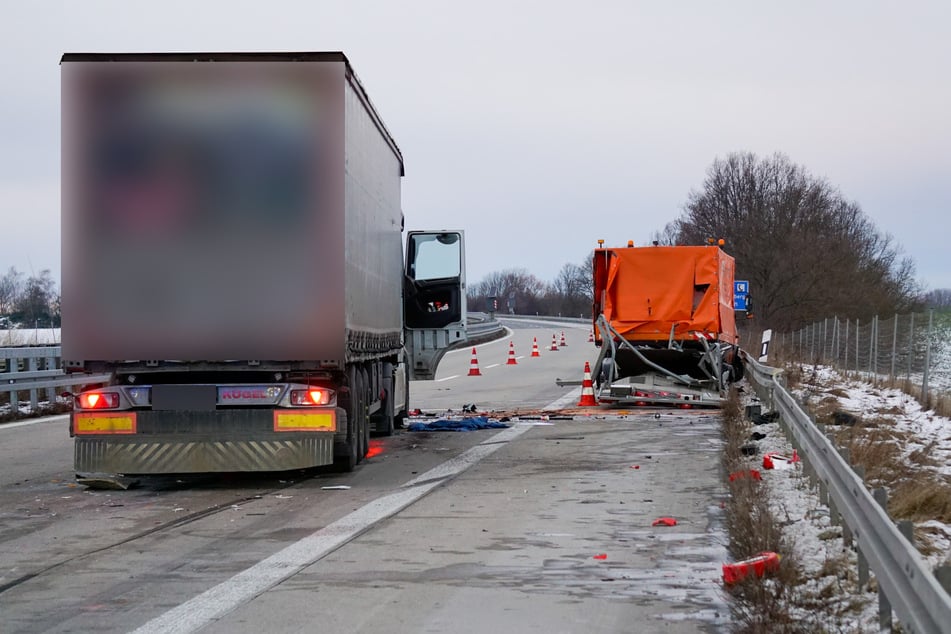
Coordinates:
<point>345,453</point>
<point>399,418</point>
<point>384,419</point>
<point>349,454</point>
<point>363,431</point>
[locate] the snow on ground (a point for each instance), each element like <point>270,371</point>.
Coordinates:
<point>919,428</point>
<point>25,411</point>
<point>828,566</point>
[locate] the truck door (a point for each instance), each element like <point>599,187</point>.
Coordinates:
<point>434,298</point>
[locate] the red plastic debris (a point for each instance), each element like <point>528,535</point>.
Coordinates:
<point>600,556</point>
<point>771,459</point>
<point>758,566</point>
<point>635,466</point>
<point>664,521</point>
<point>752,473</point>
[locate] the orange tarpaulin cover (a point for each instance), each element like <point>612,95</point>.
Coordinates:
<point>644,291</point>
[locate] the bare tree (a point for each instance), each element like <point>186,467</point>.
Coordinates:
<point>516,289</point>
<point>806,251</point>
<point>35,304</point>
<point>568,294</point>
<point>10,285</point>
<point>939,298</point>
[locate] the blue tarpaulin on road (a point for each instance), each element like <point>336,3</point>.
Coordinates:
<point>465,424</point>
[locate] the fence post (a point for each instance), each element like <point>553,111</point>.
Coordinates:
<point>835,341</point>
<point>911,346</point>
<point>924,377</point>
<point>812,343</point>
<point>825,338</point>
<point>894,345</point>
<point>857,338</point>
<point>845,365</point>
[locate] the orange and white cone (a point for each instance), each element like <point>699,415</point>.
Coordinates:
<point>535,352</point>
<point>563,342</point>
<point>587,389</point>
<point>591,337</point>
<point>474,365</point>
<point>554,343</point>
<point>511,360</point>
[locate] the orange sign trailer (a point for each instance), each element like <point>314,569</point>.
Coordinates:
<point>664,320</point>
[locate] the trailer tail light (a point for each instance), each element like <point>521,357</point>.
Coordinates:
<point>311,397</point>
<point>98,400</point>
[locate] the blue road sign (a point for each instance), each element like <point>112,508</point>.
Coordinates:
<point>739,302</point>
<point>741,287</point>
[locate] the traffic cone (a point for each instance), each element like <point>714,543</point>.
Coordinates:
<point>554,343</point>
<point>474,365</point>
<point>563,342</point>
<point>591,337</point>
<point>535,347</point>
<point>587,389</point>
<point>511,360</point>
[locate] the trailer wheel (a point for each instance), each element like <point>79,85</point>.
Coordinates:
<point>738,370</point>
<point>399,419</point>
<point>363,431</point>
<point>383,422</point>
<point>345,453</point>
<point>350,453</point>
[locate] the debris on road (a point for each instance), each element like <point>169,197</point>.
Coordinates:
<point>106,481</point>
<point>752,473</point>
<point>465,424</point>
<point>758,566</point>
<point>664,521</point>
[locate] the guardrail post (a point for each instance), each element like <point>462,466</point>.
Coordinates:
<point>943,575</point>
<point>884,607</point>
<point>34,400</point>
<point>49,363</point>
<point>907,529</point>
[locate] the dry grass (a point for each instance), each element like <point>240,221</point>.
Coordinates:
<point>920,499</point>
<point>879,451</point>
<point>759,605</point>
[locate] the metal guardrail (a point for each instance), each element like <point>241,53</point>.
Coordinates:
<point>39,367</point>
<point>40,370</point>
<point>906,584</point>
<point>574,320</point>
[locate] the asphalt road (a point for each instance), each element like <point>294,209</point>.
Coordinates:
<point>544,526</point>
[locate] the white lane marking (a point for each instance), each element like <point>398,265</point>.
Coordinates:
<point>573,395</point>
<point>494,365</point>
<point>446,378</point>
<point>35,421</point>
<point>215,602</point>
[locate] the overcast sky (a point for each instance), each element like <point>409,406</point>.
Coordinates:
<point>539,127</point>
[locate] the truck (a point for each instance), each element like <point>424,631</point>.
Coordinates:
<point>665,324</point>
<point>233,261</point>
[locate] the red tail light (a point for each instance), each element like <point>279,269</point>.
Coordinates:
<point>311,397</point>
<point>98,400</point>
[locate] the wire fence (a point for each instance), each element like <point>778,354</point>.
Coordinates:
<point>915,348</point>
